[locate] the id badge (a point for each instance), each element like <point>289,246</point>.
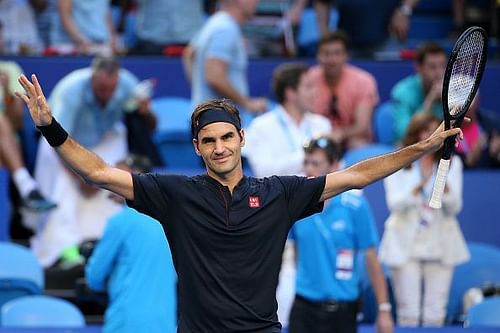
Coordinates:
<point>345,262</point>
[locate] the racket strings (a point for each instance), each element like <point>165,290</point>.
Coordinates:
<point>464,72</point>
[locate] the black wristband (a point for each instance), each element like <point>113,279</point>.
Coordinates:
<point>54,133</point>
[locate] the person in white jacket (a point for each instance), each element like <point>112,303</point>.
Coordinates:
<point>422,245</point>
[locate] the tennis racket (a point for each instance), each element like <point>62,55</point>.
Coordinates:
<point>461,81</point>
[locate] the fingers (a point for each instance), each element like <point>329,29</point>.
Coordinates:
<point>23,97</point>
<point>38,88</point>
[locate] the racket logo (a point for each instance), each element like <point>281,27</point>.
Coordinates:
<point>253,201</point>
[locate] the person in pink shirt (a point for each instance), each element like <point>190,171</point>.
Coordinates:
<point>346,94</point>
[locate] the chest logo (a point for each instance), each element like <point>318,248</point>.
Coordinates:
<point>253,202</point>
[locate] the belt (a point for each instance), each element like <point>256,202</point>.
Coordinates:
<point>327,305</point>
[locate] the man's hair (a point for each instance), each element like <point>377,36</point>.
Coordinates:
<point>287,76</point>
<point>333,37</point>
<point>330,147</point>
<point>221,104</point>
<point>428,48</point>
<point>107,64</point>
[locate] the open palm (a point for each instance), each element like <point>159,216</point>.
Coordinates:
<point>35,100</point>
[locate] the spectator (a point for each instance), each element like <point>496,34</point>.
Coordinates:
<point>132,262</point>
<point>216,60</point>
<point>162,23</point>
<point>346,94</point>
<point>83,27</point>
<point>11,120</point>
<point>91,103</point>
<point>274,147</point>
<point>276,137</point>
<point>420,92</point>
<point>18,32</point>
<point>422,245</point>
<point>327,246</point>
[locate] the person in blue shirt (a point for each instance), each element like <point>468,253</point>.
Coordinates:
<point>132,262</point>
<point>327,245</point>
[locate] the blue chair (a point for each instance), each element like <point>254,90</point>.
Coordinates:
<point>353,156</point>
<point>173,133</point>
<point>383,123</point>
<point>308,34</point>
<point>4,205</point>
<point>486,313</point>
<point>41,311</point>
<point>482,268</point>
<point>20,272</point>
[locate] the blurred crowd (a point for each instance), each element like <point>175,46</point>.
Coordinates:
<point>108,110</point>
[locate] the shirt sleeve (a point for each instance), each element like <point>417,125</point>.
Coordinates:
<point>221,45</point>
<point>104,256</point>
<point>303,194</point>
<point>366,234</point>
<point>150,197</point>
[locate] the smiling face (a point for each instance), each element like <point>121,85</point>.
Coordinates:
<point>219,145</point>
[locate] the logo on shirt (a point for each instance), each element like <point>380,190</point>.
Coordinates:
<point>253,202</point>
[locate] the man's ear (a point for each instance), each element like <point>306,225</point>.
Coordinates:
<point>242,136</point>
<point>195,145</point>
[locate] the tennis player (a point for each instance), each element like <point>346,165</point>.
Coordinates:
<point>226,231</point>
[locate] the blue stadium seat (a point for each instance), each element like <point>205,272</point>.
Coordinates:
<point>4,205</point>
<point>482,268</point>
<point>173,134</point>
<point>353,156</point>
<point>430,27</point>
<point>41,311</point>
<point>383,123</point>
<point>486,313</point>
<point>20,272</point>
<point>308,34</point>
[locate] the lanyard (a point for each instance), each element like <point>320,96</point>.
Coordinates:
<point>292,142</point>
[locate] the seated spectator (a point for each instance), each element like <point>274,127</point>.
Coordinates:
<point>422,245</point>
<point>162,23</point>
<point>216,60</point>
<point>132,262</point>
<point>346,94</point>
<point>90,103</point>
<point>83,27</point>
<point>420,92</point>
<point>11,120</point>
<point>275,139</point>
<point>18,31</point>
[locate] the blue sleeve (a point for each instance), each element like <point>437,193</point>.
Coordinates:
<point>364,222</point>
<point>104,256</point>
<point>222,44</point>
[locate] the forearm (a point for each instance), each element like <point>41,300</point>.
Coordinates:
<point>224,88</point>
<point>376,276</point>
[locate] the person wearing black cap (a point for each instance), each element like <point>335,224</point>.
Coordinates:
<point>226,231</point>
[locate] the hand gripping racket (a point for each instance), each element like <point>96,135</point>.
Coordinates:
<point>461,81</point>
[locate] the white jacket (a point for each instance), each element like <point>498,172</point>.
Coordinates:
<point>402,226</point>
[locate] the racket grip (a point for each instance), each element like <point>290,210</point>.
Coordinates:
<point>439,183</point>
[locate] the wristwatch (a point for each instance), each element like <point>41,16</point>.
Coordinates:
<point>406,9</point>
<point>385,307</point>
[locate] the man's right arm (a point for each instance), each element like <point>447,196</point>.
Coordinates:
<point>82,161</point>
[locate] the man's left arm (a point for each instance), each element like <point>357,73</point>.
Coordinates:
<point>384,321</point>
<point>368,171</point>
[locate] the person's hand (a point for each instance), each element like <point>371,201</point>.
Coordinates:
<point>294,15</point>
<point>435,92</point>
<point>256,105</point>
<point>399,25</point>
<point>34,98</point>
<point>437,138</point>
<point>384,322</point>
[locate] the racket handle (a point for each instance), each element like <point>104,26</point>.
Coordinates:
<point>439,183</point>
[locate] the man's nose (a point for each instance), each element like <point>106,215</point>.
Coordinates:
<point>219,147</point>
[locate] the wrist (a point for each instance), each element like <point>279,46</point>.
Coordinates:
<point>54,133</point>
<point>385,307</point>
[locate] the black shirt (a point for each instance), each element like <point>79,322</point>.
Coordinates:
<point>227,248</point>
